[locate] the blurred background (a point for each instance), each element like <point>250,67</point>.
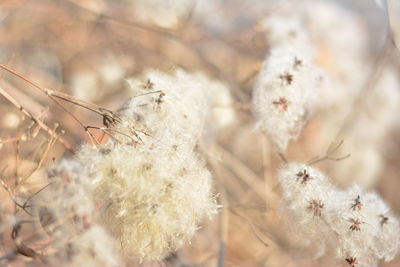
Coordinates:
<point>88,48</point>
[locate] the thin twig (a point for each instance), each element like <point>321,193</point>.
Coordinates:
<point>392,8</point>
<point>108,132</point>
<point>369,83</point>
<point>221,254</point>
<point>37,192</point>
<point>253,229</point>
<point>328,155</point>
<point>89,106</point>
<point>282,156</point>
<point>12,197</point>
<point>48,93</point>
<point>242,171</point>
<point>224,214</point>
<point>50,143</point>
<point>42,125</point>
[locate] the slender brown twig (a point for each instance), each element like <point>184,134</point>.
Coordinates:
<point>328,155</point>
<point>41,124</point>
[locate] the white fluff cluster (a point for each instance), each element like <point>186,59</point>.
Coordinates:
<point>154,196</point>
<point>284,94</point>
<point>289,82</point>
<point>221,102</point>
<point>358,224</point>
<point>67,199</point>
<point>157,191</point>
<point>313,26</point>
<point>167,108</point>
<point>66,212</point>
<point>197,101</point>
<point>340,48</point>
<point>285,28</point>
<point>94,247</point>
<point>147,185</point>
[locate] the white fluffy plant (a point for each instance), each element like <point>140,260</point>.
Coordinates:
<point>367,231</point>
<point>313,26</point>
<point>307,194</point>
<point>148,185</point>
<point>358,224</point>
<point>285,93</point>
<point>67,213</point>
<point>158,190</point>
<point>189,101</point>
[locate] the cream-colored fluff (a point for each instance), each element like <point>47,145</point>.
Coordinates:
<point>284,94</point>
<point>147,186</point>
<point>358,224</point>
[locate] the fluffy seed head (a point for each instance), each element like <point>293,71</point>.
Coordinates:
<point>284,94</point>
<point>155,192</point>
<point>153,197</point>
<point>147,185</point>
<point>358,224</point>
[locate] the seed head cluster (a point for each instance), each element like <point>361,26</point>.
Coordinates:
<point>285,94</point>
<point>358,224</point>
<point>147,187</point>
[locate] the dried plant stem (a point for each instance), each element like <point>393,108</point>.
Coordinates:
<point>23,78</point>
<point>47,93</point>
<point>224,214</point>
<point>282,157</point>
<point>89,106</point>
<point>192,45</point>
<point>49,145</point>
<point>374,74</point>
<point>269,242</point>
<point>245,173</point>
<point>17,161</point>
<point>328,155</point>
<point>250,77</point>
<point>392,9</point>
<point>242,106</point>
<point>12,197</point>
<point>11,140</point>
<point>267,170</point>
<point>41,124</point>
<point>224,224</point>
